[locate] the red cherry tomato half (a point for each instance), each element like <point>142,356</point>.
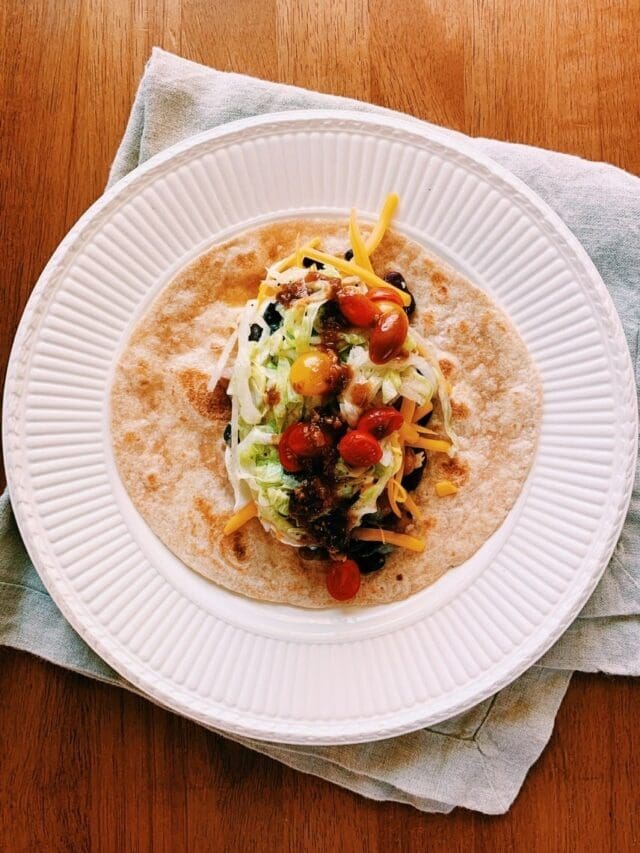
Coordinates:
<point>343,579</point>
<point>388,336</point>
<point>359,448</point>
<point>359,310</point>
<point>288,459</point>
<point>306,439</point>
<point>383,294</point>
<point>381,422</point>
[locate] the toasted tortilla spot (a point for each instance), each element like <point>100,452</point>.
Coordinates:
<point>447,367</point>
<point>455,470</point>
<point>151,481</point>
<point>428,323</point>
<point>206,513</point>
<point>460,411</point>
<point>214,405</point>
<point>237,543</point>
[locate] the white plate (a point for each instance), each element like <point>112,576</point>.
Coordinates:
<point>283,673</point>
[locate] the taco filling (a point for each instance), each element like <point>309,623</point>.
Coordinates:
<point>337,402</point>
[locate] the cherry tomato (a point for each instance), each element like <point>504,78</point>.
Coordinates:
<point>343,579</point>
<point>388,336</point>
<point>288,459</point>
<point>306,439</point>
<point>312,373</point>
<point>387,305</point>
<point>359,448</point>
<point>359,310</point>
<point>384,294</point>
<point>381,422</point>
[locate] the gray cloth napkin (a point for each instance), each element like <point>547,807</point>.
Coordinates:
<point>479,759</point>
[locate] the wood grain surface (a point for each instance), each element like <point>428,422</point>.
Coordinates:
<point>87,767</point>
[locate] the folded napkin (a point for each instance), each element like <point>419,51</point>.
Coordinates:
<point>479,759</point>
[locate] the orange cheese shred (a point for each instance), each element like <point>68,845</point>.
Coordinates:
<point>407,409</point>
<point>388,209</point>
<point>445,488</point>
<point>409,433</point>
<point>423,410</point>
<point>434,444</point>
<point>389,537</point>
<point>244,514</point>
<point>360,254</point>
<point>413,507</point>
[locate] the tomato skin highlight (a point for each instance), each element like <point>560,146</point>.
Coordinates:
<point>381,421</point>
<point>306,439</point>
<point>311,373</point>
<point>388,336</point>
<point>359,448</point>
<point>359,310</point>
<point>383,294</point>
<point>343,579</point>
<point>288,459</point>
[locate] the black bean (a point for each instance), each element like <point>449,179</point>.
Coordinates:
<point>227,434</point>
<point>348,255</point>
<point>272,317</point>
<point>373,563</point>
<point>367,555</point>
<point>411,481</point>
<point>397,280</point>
<point>255,332</point>
<point>309,262</point>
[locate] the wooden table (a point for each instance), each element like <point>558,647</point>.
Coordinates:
<point>84,766</point>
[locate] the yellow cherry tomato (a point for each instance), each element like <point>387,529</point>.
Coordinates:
<point>312,373</point>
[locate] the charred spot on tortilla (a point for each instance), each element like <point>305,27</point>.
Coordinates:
<point>460,410</point>
<point>213,405</point>
<point>238,545</point>
<point>383,467</point>
<point>447,367</point>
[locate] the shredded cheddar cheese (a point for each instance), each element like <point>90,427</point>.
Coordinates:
<point>413,507</point>
<point>423,410</point>
<point>389,537</point>
<point>357,243</point>
<point>246,513</point>
<point>388,209</point>
<point>409,433</point>
<point>407,409</point>
<point>445,487</point>
<point>434,444</point>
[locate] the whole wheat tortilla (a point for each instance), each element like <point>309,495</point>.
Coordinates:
<point>168,429</point>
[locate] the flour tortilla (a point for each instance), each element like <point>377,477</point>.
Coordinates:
<point>168,429</point>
